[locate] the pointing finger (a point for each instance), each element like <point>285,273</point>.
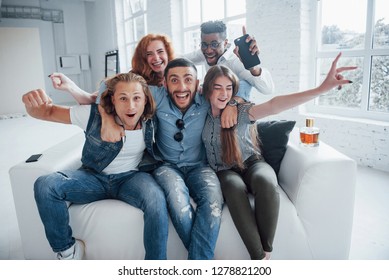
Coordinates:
<point>336,60</point>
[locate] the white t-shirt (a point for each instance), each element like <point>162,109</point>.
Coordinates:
<point>134,145</point>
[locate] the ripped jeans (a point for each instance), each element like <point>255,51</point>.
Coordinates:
<point>198,228</point>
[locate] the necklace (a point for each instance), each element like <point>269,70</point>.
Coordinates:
<point>136,125</point>
<point>122,125</point>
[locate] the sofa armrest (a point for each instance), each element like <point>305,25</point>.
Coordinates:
<point>65,155</point>
<point>320,182</point>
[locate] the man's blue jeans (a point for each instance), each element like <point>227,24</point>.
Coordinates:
<point>198,229</point>
<point>83,186</point>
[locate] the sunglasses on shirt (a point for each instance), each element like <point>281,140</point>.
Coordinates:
<point>180,124</point>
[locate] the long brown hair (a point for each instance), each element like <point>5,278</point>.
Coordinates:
<point>106,100</point>
<point>139,59</point>
<point>231,153</point>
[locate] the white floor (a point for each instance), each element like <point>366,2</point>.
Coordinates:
<point>21,137</point>
<point>370,239</point>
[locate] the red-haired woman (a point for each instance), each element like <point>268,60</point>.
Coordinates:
<point>151,56</point>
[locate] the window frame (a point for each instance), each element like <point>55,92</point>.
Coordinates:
<point>367,53</point>
<point>196,27</point>
<point>124,43</point>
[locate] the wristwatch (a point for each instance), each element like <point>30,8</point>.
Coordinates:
<point>233,102</point>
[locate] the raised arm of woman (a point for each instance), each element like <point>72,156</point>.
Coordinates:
<point>283,102</point>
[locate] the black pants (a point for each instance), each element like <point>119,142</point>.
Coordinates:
<point>256,228</point>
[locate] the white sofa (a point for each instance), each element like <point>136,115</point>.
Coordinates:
<point>315,221</point>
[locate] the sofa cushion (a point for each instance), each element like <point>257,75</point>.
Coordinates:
<point>274,136</point>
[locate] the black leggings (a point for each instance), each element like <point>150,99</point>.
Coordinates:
<point>256,228</point>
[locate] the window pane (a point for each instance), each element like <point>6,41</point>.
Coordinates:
<point>129,31</point>
<point>350,95</point>
<point>213,10</point>
<point>381,26</point>
<point>136,5</point>
<point>234,28</point>
<point>339,31</point>
<point>140,27</point>
<point>129,52</point>
<point>193,13</point>
<point>235,7</point>
<point>127,9</point>
<point>379,86</point>
<point>192,41</point>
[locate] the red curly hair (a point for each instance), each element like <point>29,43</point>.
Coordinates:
<point>139,59</point>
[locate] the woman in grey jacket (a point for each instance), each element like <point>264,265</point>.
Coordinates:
<point>236,156</point>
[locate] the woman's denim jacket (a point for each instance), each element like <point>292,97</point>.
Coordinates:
<point>98,154</point>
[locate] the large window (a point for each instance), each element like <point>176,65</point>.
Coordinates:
<point>131,26</point>
<point>360,30</point>
<point>231,12</point>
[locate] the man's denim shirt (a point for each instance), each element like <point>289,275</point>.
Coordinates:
<point>97,154</point>
<point>190,151</point>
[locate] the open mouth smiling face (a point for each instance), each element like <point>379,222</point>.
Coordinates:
<point>182,85</point>
<point>221,93</point>
<point>215,47</point>
<point>156,56</point>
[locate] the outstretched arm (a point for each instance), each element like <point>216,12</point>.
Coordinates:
<point>281,103</point>
<point>40,106</point>
<point>62,82</point>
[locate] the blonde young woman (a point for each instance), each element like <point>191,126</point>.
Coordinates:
<point>238,161</point>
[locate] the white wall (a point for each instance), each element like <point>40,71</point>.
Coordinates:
<point>69,37</point>
<point>47,49</point>
<point>101,35</point>
<point>20,57</point>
